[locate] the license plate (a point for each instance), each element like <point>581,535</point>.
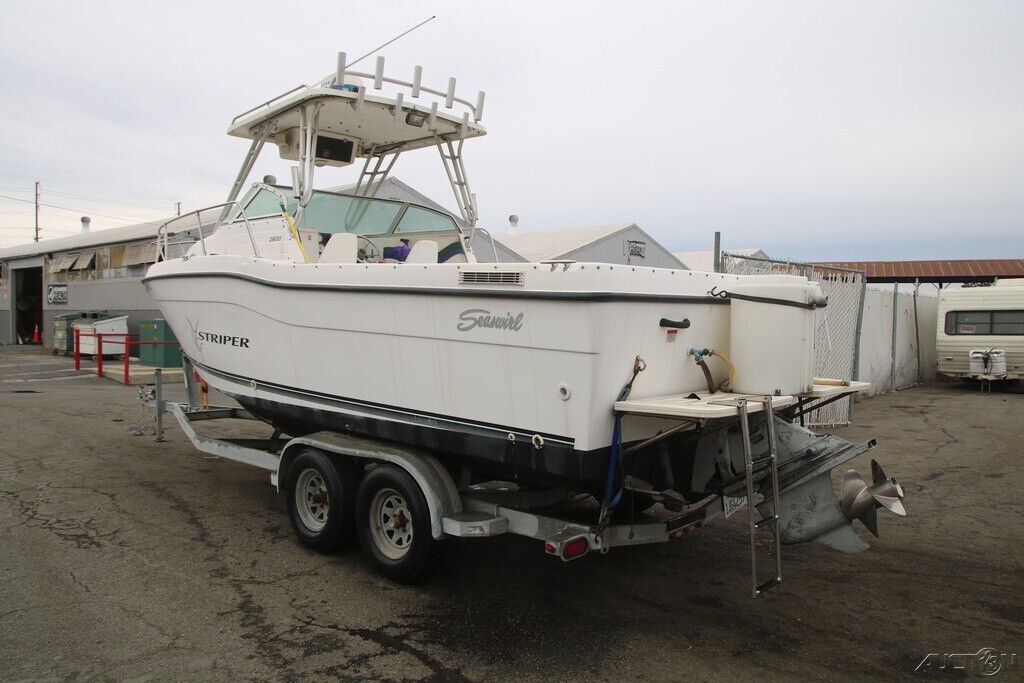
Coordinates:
<point>731,505</point>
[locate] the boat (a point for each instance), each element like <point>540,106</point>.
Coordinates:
<point>325,311</point>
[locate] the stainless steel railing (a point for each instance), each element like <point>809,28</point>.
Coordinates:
<point>163,232</point>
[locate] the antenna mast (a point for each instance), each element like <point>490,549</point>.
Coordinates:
<point>384,45</point>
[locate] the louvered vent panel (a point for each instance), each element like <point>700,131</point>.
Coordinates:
<point>490,277</point>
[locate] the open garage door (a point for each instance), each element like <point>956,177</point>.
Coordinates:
<point>27,305</point>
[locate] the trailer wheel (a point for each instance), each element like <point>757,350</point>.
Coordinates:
<point>321,498</point>
<point>393,522</point>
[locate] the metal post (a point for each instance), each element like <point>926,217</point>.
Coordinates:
<point>917,329</point>
<point>158,378</point>
<point>99,355</point>
<point>37,211</point>
<point>78,354</point>
<point>718,251</point>
<point>857,333</point>
<point>127,361</point>
<point>892,365</point>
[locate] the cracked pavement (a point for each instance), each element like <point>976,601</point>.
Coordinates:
<point>122,558</point>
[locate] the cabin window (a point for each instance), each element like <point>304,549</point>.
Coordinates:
<point>984,322</point>
<point>417,219</point>
<point>333,213</point>
<point>266,203</point>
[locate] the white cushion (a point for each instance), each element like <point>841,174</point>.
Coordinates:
<point>424,251</point>
<point>343,247</point>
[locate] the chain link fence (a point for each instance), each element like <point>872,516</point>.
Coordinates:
<point>837,327</point>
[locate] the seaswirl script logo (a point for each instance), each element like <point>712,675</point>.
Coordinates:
<point>479,317</point>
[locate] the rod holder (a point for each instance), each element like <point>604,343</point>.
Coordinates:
<point>478,113</point>
<point>417,75</point>
<point>378,74</point>
<point>432,120</point>
<point>360,96</point>
<point>339,74</point>
<point>398,107</point>
<point>449,98</point>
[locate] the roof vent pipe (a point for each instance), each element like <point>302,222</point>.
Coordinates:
<point>85,225</point>
<point>513,224</point>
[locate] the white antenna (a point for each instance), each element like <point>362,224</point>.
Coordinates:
<point>384,45</point>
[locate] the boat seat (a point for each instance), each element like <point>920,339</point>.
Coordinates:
<point>424,251</point>
<point>343,247</point>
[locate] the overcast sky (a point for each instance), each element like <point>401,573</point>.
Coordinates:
<point>818,130</point>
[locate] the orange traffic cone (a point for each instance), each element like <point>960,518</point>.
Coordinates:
<point>35,336</point>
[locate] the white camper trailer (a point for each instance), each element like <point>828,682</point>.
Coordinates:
<point>980,331</point>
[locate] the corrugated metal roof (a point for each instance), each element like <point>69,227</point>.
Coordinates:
<point>552,244</point>
<point>950,270</point>
<point>127,233</point>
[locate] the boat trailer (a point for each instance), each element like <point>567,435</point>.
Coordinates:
<point>789,482</point>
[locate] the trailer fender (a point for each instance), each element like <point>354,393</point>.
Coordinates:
<point>440,491</point>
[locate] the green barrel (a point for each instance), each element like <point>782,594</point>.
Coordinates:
<point>158,355</point>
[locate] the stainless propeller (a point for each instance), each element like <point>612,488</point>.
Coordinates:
<point>859,501</point>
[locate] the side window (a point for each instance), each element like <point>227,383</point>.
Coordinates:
<point>1008,322</point>
<point>264,204</point>
<point>423,220</point>
<point>984,322</point>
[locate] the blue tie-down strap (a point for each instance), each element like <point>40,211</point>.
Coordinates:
<point>611,500</point>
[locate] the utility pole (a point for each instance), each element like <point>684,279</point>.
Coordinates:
<point>37,211</point>
<point>177,207</point>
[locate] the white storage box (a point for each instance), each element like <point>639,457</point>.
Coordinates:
<point>772,345</point>
<point>113,345</point>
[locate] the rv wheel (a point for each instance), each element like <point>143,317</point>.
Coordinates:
<point>393,522</point>
<point>321,497</point>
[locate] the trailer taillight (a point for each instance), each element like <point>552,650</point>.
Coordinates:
<point>575,548</point>
<point>568,549</point>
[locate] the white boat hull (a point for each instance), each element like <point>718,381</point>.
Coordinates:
<point>404,352</point>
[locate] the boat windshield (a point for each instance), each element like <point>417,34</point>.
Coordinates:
<point>330,213</point>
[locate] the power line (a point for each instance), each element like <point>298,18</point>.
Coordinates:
<point>126,202</point>
<point>109,201</point>
<point>73,210</point>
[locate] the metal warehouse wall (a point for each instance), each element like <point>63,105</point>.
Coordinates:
<point>5,308</point>
<point>118,296</point>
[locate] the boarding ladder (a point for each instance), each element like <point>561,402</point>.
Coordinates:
<point>772,460</point>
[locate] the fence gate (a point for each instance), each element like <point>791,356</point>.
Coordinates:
<point>837,327</point>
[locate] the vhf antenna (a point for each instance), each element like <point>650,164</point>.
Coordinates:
<point>381,47</point>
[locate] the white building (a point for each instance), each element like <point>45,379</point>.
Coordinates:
<point>623,243</point>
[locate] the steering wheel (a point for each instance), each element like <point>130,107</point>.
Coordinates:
<point>372,252</point>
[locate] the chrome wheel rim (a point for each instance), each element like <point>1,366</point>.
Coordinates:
<point>311,499</point>
<point>391,523</point>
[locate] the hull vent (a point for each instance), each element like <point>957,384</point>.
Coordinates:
<point>490,277</point>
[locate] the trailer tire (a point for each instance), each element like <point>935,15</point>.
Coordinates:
<point>320,492</point>
<point>393,523</point>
